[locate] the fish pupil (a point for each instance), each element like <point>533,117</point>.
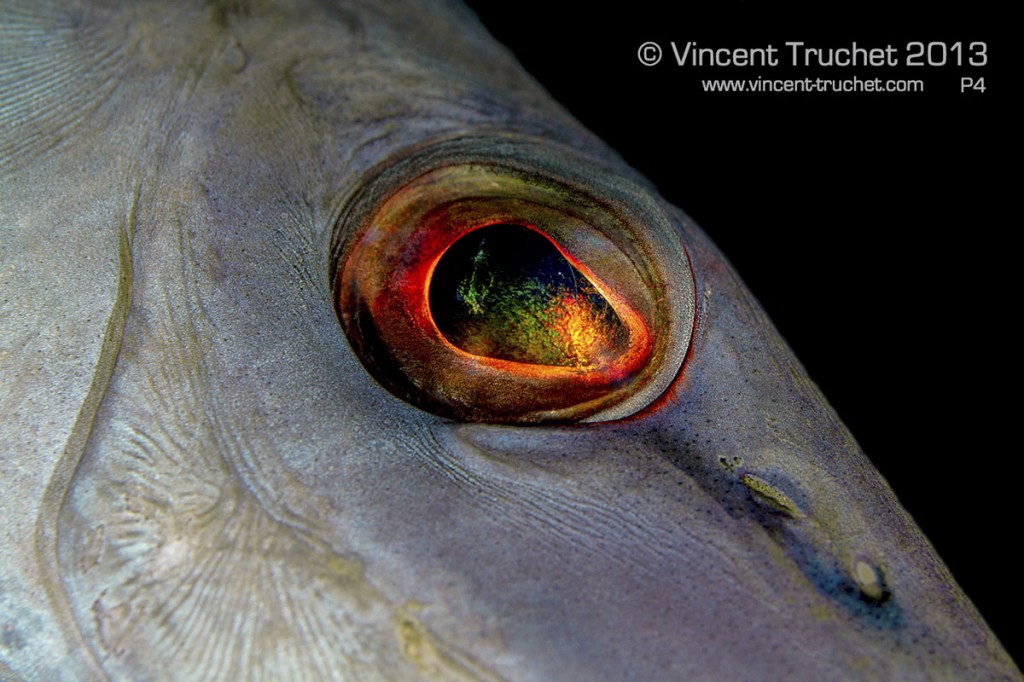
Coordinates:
<point>506,292</point>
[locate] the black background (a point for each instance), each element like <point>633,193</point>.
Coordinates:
<point>872,227</point>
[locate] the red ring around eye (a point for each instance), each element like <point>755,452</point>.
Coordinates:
<point>555,341</point>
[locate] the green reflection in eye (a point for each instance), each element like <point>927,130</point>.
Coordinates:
<point>506,292</point>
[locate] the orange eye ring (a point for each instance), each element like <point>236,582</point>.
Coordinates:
<point>385,276</point>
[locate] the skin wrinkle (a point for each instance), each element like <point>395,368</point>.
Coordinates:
<point>495,478</point>
<point>246,502</point>
<point>57,488</point>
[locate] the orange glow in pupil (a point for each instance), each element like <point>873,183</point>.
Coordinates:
<point>582,335</point>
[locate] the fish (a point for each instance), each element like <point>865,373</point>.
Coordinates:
<point>237,446</point>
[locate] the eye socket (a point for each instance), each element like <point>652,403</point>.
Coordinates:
<point>512,289</point>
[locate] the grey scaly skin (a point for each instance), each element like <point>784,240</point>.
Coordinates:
<point>201,481</point>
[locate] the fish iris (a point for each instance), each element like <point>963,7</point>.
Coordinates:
<point>506,292</point>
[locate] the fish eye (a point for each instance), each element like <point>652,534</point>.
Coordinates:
<point>512,283</point>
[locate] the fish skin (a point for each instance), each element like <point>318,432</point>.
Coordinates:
<point>161,433</point>
<point>829,207</point>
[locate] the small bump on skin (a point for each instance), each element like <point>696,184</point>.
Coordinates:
<point>769,496</point>
<point>869,581</point>
<point>432,658</point>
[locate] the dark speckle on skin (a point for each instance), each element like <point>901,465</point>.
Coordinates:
<point>10,638</point>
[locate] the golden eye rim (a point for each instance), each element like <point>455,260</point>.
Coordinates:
<point>556,180</point>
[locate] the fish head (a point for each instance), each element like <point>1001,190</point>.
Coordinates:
<point>257,452</point>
